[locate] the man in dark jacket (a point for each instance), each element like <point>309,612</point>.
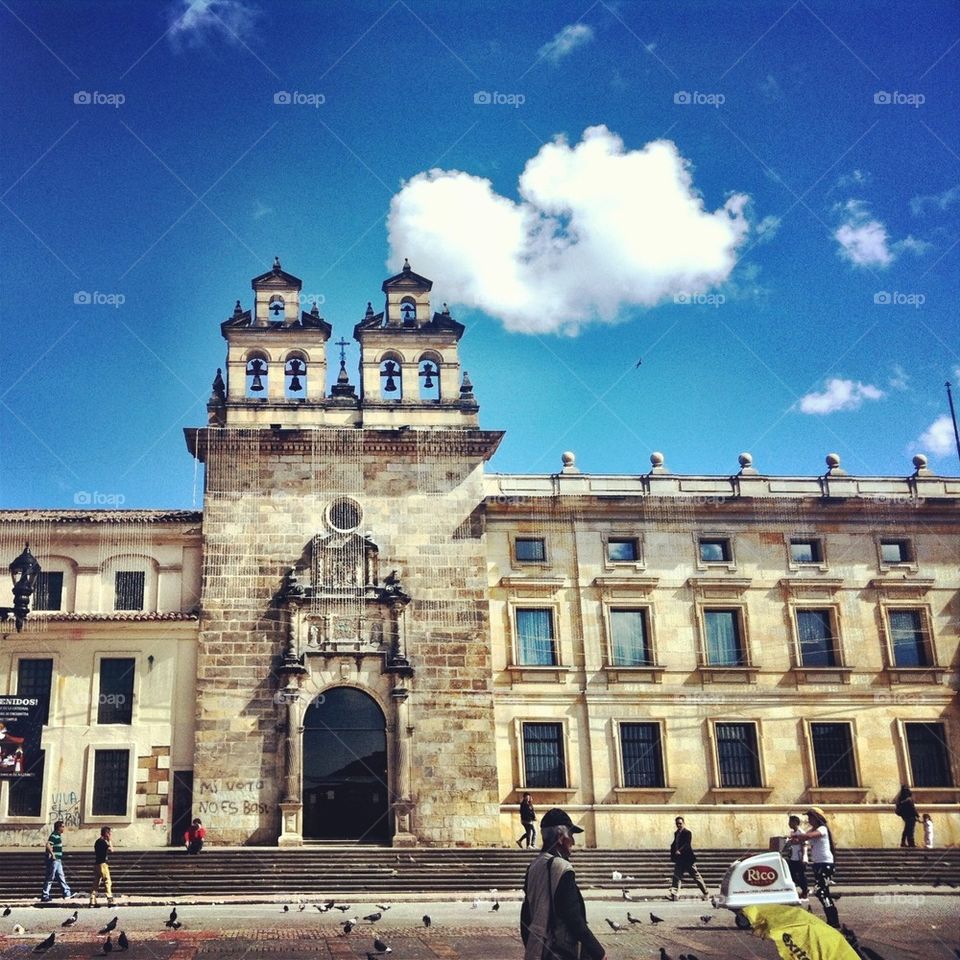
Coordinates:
<point>684,861</point>
<point>553,919</point>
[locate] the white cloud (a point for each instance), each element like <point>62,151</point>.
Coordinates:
<point>565,42</point>
<point>938,438</point>
<point>936,201</point>
<point>770,88</point>
<point>839,395</point>
<point>899,379</point>
<point>856,178</point>
<point>197,21</point>
<point>767,228</point>
<point>863,241</point>
<point>915,246</point>
<point>260,209</point>
<point>598,228</point>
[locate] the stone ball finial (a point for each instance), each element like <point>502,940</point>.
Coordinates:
<point>920,461</point>
<point>745,459</point>
<point>656,459</point>
<point>568,458</point>
<point>833,460</point>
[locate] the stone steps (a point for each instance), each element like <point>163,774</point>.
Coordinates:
<point>326,870</point>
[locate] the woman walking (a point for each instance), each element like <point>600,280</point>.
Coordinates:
<point>527,817</point>
<point>822,857</point>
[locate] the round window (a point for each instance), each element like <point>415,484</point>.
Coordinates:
<point>344,515</point>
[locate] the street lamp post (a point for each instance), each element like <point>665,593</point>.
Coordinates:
<point>24,572</point>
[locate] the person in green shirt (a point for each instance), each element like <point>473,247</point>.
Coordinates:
<point>54,863</point>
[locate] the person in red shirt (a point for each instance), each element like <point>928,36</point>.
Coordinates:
<point>193,838</point>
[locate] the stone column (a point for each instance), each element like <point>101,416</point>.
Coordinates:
<point>291,673</point>
<point>403,802</point>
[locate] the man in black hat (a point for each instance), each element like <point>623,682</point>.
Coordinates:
<point>553,920</point>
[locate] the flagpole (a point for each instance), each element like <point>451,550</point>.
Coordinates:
<point>953,416</point>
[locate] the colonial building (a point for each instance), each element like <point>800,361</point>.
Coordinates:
<point>365,637</point>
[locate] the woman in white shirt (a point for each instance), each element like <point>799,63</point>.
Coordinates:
<point>821,857</point>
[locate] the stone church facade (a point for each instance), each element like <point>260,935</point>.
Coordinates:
<point>365,637</point>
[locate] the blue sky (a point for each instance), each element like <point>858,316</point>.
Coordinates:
<point>786,267</point>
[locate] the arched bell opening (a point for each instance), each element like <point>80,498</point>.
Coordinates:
<point>391,378</point>
<point>295,377</point>
<point>428,370</point>
<point>257,371</point>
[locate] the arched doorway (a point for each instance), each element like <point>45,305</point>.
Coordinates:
<point>345,795</point>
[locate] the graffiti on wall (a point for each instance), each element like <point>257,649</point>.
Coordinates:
<point>65,806</point>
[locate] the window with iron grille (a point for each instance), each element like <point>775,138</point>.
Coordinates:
<point>737,755</point>
<point>115,703</point>
<point>833,754</point>
<point>110,778</point>
<point>642,754</point>
<point>724,646</point>
<point>908,638</point>
<point>622,550</point>
<point>818,645</point>
<point>530,549</point>
<point>543,755</point>
<point>535,640</point>
<point>26,793</point>
<point>128,592</point>
<point>34,678</point>
<point>629,639</point>
<point>48,592</point>
<point>929,757</point>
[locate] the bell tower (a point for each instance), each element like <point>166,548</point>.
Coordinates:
<point>276,358</point>
<point>409,360</point>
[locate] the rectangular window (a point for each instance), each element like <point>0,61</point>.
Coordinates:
<point>724,643</point>
<point>530,549</point>
<point>535,640</point>
<point>929,758</point>
<point>896,551</point>
<point>908,638</point>
<point>128,593</point>
<point>26,793</point>
<point>818,645</point>
<point>115,703</point>
<point>48,592</point>
<point>642,754</point>
<point>622,550</point>
<point>629,644</point>
<point>737,755</point>
<point>833,754</point>
<point>543,755</point>
<point>806,551</point>
<point>34,680</point>
<point>715,551</point>
<point>110,775</point>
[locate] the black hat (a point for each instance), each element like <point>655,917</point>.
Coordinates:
<point>559,818</point>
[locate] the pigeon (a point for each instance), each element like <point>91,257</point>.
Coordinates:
<point>664,955</point>
<point>381,947</point>
<point>638,363</point>
<point>107,945</point>
<point>705,918</point>
<point>373,956</point>
<point>123,942</point>
<point>617,875</point>
<point>328,904</point>
<point>7,911</point>
<point>342,907</point>
<point>176,925</point>
<point>632,918</point>
<point>614,926</point>
<point>476,904</point>
<point>383,906</point>
<point>286,908</point>
<point>71,920</point>
<point>626,896</point>
<point>18,930</point>
<point>849,935</point>
<point>688,956</point>
<point>872,954</point>
<point>111,926</point>
<point>495,907</point>
<point>302,907</point>
<point>348,925</point>
<point>45,945</point>
<point>654,919</point>
<point>426,920</point>
<point>373,917</point>
<point>172,919</point>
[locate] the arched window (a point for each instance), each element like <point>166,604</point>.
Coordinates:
<point>276,307</point>
<point>391,379</point>
<point>257,372</point>
<point>429,377</point>
<point>295,377</point>
<point>408,311</point>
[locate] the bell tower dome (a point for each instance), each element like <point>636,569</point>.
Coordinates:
<point>409,360</point>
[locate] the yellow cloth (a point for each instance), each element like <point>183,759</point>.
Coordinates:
<point>798,934</point>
